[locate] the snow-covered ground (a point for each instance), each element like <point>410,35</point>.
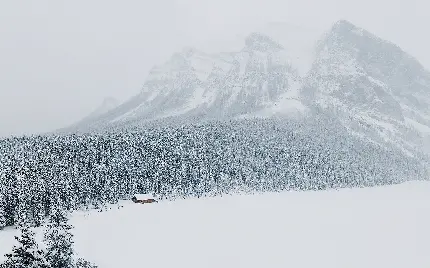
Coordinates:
<point>373,227</point>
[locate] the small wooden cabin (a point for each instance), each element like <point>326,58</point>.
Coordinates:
<point>143,198</point>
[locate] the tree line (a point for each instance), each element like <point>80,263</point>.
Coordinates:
<point>90,170</point>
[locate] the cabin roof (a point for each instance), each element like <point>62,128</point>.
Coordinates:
<point>143,196</point>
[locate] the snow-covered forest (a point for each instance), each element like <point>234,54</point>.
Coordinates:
<point>57,249</point>
<point>80,171</point>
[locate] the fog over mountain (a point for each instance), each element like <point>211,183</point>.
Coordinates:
<point>60,60</point>
<point>375,89</point>
<point>227,108</point>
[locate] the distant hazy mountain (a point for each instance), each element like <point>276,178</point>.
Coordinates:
<point>108,104</point>
<point>258,78</point>
<point>377,91</point>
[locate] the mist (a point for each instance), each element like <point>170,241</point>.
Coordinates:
<point>59,60</point>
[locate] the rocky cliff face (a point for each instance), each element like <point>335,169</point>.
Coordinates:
<point>257,78</point>
<point>376,90</point>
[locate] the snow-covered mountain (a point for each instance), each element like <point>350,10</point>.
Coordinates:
<point>192,82</point>
<point>107,105</point>
<point>375,89</point>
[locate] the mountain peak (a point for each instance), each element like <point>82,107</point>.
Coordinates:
<point>188,52</point>
<point>343,33</point>
<point>261,42</point>
<point>367,83</point>
<point>344,24</point>
<point>344,27</point>
<point>108,104</point>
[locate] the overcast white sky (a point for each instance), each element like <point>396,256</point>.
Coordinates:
<point>60,59</point>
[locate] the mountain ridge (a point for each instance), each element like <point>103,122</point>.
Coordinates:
<point>377,90</point>
<point>369,80</point>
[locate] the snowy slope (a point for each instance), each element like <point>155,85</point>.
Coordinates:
<point>371,227</point>
<point>218,85</point>
<point>108,104</point>
<point>377,90</point>
<point>256,78</point>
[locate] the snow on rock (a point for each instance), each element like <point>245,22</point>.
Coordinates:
<point>289,103</point>
<point>363,79</point>
<point>243,59</point>
<point>418,126</point>
<point>367,83</point>
<point>108,104</point>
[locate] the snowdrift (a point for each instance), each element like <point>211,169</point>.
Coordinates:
<point>372,227</point>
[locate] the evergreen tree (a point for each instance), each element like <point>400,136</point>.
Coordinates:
<point>26,254</point>
<point>81,263</point>
<point>23,217</point>
<point>214,158</point>
<point>58,240</point>
<point>3,221</point>
<point>2,217</point>
<point>2,202</point>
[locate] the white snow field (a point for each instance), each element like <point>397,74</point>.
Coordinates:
<point>372,227</point>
